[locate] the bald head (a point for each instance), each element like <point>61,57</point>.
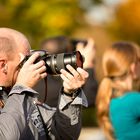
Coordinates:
<point>20,40</point>
<point>6,44</point>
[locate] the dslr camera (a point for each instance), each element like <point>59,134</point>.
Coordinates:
<point>56,62</point>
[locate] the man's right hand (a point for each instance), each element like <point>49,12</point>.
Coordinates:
<point>31,73</point>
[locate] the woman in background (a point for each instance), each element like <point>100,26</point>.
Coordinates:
<point>118,106</point>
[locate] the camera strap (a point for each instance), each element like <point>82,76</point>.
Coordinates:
<point>44,125</point>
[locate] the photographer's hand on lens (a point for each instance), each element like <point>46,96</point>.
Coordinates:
<point>31,73</point>
<point>74,79</point>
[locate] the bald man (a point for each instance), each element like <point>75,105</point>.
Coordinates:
<point>22,117</point>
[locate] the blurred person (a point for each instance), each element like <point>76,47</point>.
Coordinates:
<point>51,85</point>
<point>22,116</point>
<point>62,44</point>
<point>137,81</point>
<point>117,103</point>
<point>57,44</point>
<point>88,50</point>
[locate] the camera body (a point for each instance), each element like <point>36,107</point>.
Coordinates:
<point>56,62</point>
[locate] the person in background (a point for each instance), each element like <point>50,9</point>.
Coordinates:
<point>63,44</point>
<point>88,50</point>
<point>49,87</point>
<point>56,45</point>
<point>22,116</point>
<point>117,103</point>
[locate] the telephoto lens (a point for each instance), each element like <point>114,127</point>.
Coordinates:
<point>56,62</point>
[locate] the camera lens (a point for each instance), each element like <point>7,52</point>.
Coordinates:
<point>56,62</point>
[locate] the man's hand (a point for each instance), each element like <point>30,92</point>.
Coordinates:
<point>74,79</point>
<point>31,73</point>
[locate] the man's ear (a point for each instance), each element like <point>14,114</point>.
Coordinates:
<point>3,66</point>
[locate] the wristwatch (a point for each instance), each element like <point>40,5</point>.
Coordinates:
<point>73,94</point>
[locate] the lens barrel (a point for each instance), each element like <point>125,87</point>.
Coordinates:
<point>56,62</point>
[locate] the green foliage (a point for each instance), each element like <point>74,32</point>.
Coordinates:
<point>41,18</point>
<point>126,22</point>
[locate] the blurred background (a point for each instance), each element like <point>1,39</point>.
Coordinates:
<point>103,20</point>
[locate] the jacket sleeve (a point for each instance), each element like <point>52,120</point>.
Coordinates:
<point>12,117</point>
<point>67,119</point>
